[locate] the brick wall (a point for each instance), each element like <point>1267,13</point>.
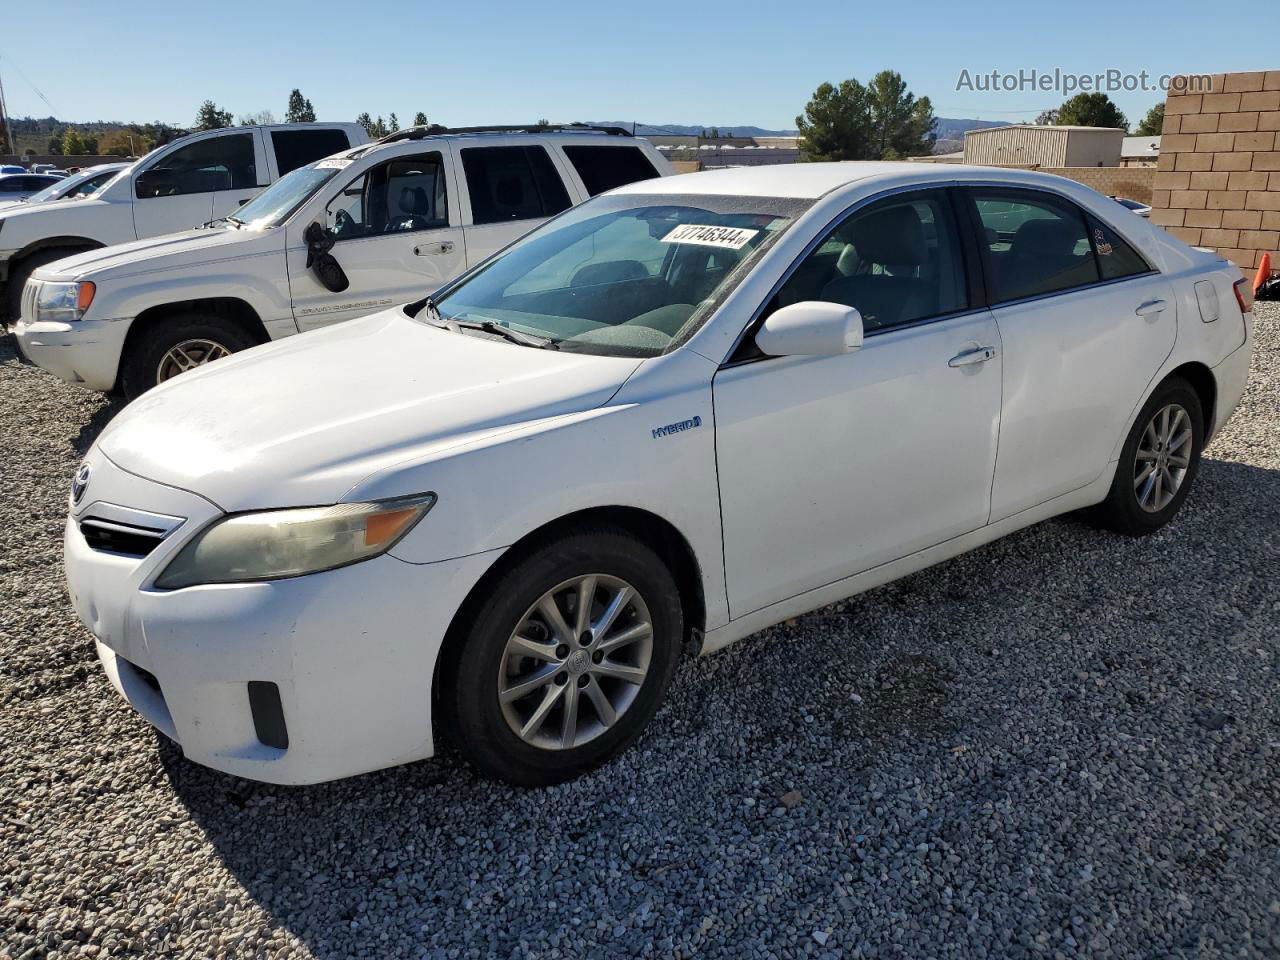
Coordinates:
<point>1218,179</point>
<point>1136,183</point>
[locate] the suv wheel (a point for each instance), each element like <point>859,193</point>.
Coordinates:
<point>566,659</point>
<point>1158,463</point>
<point>176,345</point>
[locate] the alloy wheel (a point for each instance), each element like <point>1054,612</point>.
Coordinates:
<point>1163,458</point>
<point>188,355</point>
<point>575,662</point>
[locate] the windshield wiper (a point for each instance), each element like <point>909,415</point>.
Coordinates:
<point>498,329</point>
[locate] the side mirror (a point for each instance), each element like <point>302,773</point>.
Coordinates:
<point>811,328</point>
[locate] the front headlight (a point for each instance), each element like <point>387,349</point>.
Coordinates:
<point>288,543</point>
<point>63,302</point>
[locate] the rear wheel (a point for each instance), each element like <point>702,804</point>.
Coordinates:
<point>1158,463</point>
<point>175,345</point>
<point>566,659</point>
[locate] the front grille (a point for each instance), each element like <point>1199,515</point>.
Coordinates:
<point>115,537</point>
<point>27,308</point>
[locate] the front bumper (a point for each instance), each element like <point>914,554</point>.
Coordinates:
<point>85,353</point>
<point>351,652</point>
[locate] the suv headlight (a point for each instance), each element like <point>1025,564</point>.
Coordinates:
<point>274,544</point>
<point>62,302</point>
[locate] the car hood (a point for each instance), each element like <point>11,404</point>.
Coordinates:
<point>303,420</point>
<point>14,216</point>
<point>188,248</point>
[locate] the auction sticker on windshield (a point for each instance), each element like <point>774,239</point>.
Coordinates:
<point>731,238</point>
<point>334,163</point>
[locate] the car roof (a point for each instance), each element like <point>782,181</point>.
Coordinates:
<point>810,181</point>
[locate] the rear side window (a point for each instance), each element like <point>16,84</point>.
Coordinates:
<point>216,163</point>
<point>1116,259</point>
<point>297,148</point>
<point>512,183</point>
<point>603,168</point>
<point>1033,244</point>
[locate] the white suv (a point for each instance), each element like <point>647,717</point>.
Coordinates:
<point>336,239</point>
<point>180,185</point>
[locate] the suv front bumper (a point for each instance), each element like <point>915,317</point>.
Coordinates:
<point>85,353</point>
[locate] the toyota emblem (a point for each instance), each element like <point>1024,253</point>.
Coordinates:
<point>79,482</point>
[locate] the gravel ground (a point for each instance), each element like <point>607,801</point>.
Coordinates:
<point>1064,744</point>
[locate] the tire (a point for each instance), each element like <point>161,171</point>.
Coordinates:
<point>1139,508</point>
<point>141,365</point>
<point>22,272</point>
<point>479,663</point>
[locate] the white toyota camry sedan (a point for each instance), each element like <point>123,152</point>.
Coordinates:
<point>677,414</point>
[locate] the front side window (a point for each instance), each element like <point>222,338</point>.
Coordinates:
<point>206,166</point>
<point>398,196</point>
<point>603,168</point>
<point>1033,244</point>
<point>897,261</point>
<point>512,183</point>
<point>623,276</point>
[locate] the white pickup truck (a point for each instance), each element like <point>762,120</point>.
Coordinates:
<point>336,239</point>
<point>175,187</point>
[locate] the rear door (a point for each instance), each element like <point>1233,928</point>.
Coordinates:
<point>176,191</point>
<point>399,236</point>
<point>511,187</point>
<point>1086,323</point>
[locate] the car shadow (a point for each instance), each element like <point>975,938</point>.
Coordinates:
<point>352,866</point>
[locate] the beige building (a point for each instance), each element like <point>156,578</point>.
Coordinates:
<point>1218,180</point>
<point>1027,144</point>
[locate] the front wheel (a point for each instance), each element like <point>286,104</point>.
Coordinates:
<point>565,660</point>
<point>1158,463</point>
<point>178,344</point>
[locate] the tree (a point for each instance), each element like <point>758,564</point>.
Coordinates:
<point>1152,124</point>
<point>300,109</point>
<point>210,116</point>
<point>55,146</point>
<point>902,126</point>
<point>1091,110</point>
<point>879,121</point>
<point>261,118</point>
<point>366,121</point>
<point>420,119</point>
<point>393,124</point>
<point>117,143</point>
<point>379,127</point>
<point>73,143</point>
<point>1047,118</point>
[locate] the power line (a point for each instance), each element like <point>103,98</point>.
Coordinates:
<point>39,94</point>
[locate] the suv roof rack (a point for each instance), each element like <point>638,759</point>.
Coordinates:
<point>435,130</point>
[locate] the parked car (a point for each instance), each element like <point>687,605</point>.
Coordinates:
<point>679,413</point>
<point>42,167</point>
<point>180,185</point>
<point>57,172</point>
<point>1137,206</point>
<point>19,186</point>
<point>11,168</point>
<point>394,220</point>
<point>82,184</point>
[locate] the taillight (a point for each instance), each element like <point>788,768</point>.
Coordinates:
<point>1244,295</point>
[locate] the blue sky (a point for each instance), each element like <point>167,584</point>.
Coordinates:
<point>479,62</point>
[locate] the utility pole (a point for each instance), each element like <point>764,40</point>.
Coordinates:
<point>4,121</point>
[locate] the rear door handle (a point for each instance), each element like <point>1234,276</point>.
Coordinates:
<point>1150,307</point>
<point>969,357</point>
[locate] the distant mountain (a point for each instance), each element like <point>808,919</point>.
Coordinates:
<point>950,130</point>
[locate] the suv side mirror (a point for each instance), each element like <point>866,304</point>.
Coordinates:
<point>811,328</point>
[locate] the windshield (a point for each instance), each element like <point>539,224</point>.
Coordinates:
<point>274,205</point>
<point>75,184</point>
<point>622,275</point>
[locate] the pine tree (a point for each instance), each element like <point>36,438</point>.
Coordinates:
<point>300,109</point>
<point>211,117</point>
<point>420,119</point>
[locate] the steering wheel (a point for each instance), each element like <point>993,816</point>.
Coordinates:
<point>343,223</point>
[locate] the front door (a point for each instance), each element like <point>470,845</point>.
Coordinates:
<point>1086,323</point>
<point>177,192</point>
<point>397,238</point>
<point>829,466</point>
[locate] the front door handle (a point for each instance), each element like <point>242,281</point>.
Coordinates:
<point>433,249</point>
<point>970,357</point>
<point>1150,307</point>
